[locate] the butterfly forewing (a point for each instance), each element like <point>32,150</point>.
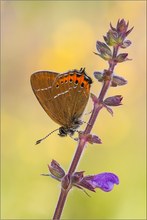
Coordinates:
<point>41,83</point>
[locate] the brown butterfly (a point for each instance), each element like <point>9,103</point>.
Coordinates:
<point>63,97</point>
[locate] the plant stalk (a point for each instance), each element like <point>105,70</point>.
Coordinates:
<point>79,151</point>
<point>60,204</point>
<point>97,107</point>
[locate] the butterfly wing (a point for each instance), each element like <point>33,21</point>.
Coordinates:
<point>63,96</point>
<point>71,93</point>
<point>41,83</point>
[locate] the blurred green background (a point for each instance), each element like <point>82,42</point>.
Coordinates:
<point>58,36</point>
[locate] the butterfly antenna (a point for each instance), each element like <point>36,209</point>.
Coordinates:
<point>40,140</point>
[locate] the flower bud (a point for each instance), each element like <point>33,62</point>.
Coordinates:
<point>121,57</point>
<point>121,28</point>
<point>118,81</point>
<point>111,38</point>
<point>113,100</point>
<point>99,76</point>
<point>126,44</point>
<point>104,50</point>
<point>116,36</point>
<point>56,170</point>
<point>93,139</point>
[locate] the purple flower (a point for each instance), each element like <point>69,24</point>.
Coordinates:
<point>113,100</point>
<point>104,181</point>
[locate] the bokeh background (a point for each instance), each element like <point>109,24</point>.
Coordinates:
<point>59,36</point>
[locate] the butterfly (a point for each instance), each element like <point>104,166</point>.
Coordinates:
<point>63,97</point>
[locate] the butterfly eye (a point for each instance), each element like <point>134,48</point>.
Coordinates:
<point>70,80</point>
<point>57,86</point>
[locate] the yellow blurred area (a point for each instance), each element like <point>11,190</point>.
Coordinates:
<point>59,36</point>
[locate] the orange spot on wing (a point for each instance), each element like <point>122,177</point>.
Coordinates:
<point>66,78</point>
<point>80,79</point>
<point>74,77</point>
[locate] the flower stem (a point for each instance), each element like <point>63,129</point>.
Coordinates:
<point>79,151</point>
<point>60,204</point>
<point>97,107</point>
